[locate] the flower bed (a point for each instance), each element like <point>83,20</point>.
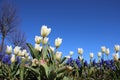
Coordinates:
<point>46,63</point>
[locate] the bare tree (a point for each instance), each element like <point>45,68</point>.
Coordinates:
<point>8,20</point>
<point>18,38</point>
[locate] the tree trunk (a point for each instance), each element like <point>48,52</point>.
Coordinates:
<point>2,45</point>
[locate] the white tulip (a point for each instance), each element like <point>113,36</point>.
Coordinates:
<point>67,57</point>
<point>12,59</point>
<point>45,40</point>
<point>91,55</point>
<point>26,55</point>
<point>45,31</point>
<point>117,48</point>
<point>99,54</point>
<point>38,47</point>
<point>35,62</point>
<point>38,39</point>
<point>58,42</point>
<point>24,51</point>
<point>69,68</point>
<point>19,53</point>
<point>52,48</point>
<point>80,51</point>
<point>107,51</point>
<point>103,49</point>
<point>71,53</point>
<point>58,56</point>
<point>116,57</point>
<point>9,49</point>
<point>16,50</point>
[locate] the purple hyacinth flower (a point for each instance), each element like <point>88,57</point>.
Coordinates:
<point>94,62</point>
<point>78,63</point>
<point>6,59</point>
<point>85,63</point>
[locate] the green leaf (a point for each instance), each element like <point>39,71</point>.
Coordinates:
<point>33,52</point>
<point>36,71</point>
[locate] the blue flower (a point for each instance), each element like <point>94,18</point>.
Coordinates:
<point>1,56</point>
<point>102,61</point>
<point>6,59</point>
<point>85,63</point>
<point>112,62</point>
<point>78,63</point>
<point>107,62</point>
<point>94,62</point>
<point>69,61</point>
<point>113,68</point>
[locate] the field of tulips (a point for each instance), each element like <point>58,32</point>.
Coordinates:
<point>43,62</point>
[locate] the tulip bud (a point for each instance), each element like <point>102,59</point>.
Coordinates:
<point>117,48</point>
<point>107,51</point>
<point>35,62</point>
<point>67,57</point>
<point>20,53</point>
<point>9,49</point>
<point>116,57</point>
<point>24,52</point>
<point>16,50</point>
<point>103,49</point>
<point>80,51</point>
<point>91,55</point>
<point>38,39</point>
<point>99,54</point>
<point>45,40</point>
<point>28,58</point>
<point>38,47</point>
<point>12,59</point>
<point>69,68</point>
<point>52,48</point>
<point>58,42</point>
<point>45,31</point>
<point>26,55</point>
<point>71,53</point>
<point>58,56</point>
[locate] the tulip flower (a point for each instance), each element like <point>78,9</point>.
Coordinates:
<point>45,31</point>
<point>69,68</point>
<point>38,47</point>
<point>99,54</point>
<point>58,56</point>
<point>67,57</point>
<point>35,62</point>
<point>116,57</point>
<point>16,50</point>
<point>52,48</point>
<point>45,40</point>
<point>103,49</point>
<point>91,55</point>
<point>117,48</point>
<point>12,59</point>
<point>80,51</point>
<point>20,53</point>
<point>38,39</point>
<point>24,52</point>
<point>71,53</point>
<point>9,49</point>
<point>58,42</point>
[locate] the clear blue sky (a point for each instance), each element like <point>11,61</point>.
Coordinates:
<point>89,24</point>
